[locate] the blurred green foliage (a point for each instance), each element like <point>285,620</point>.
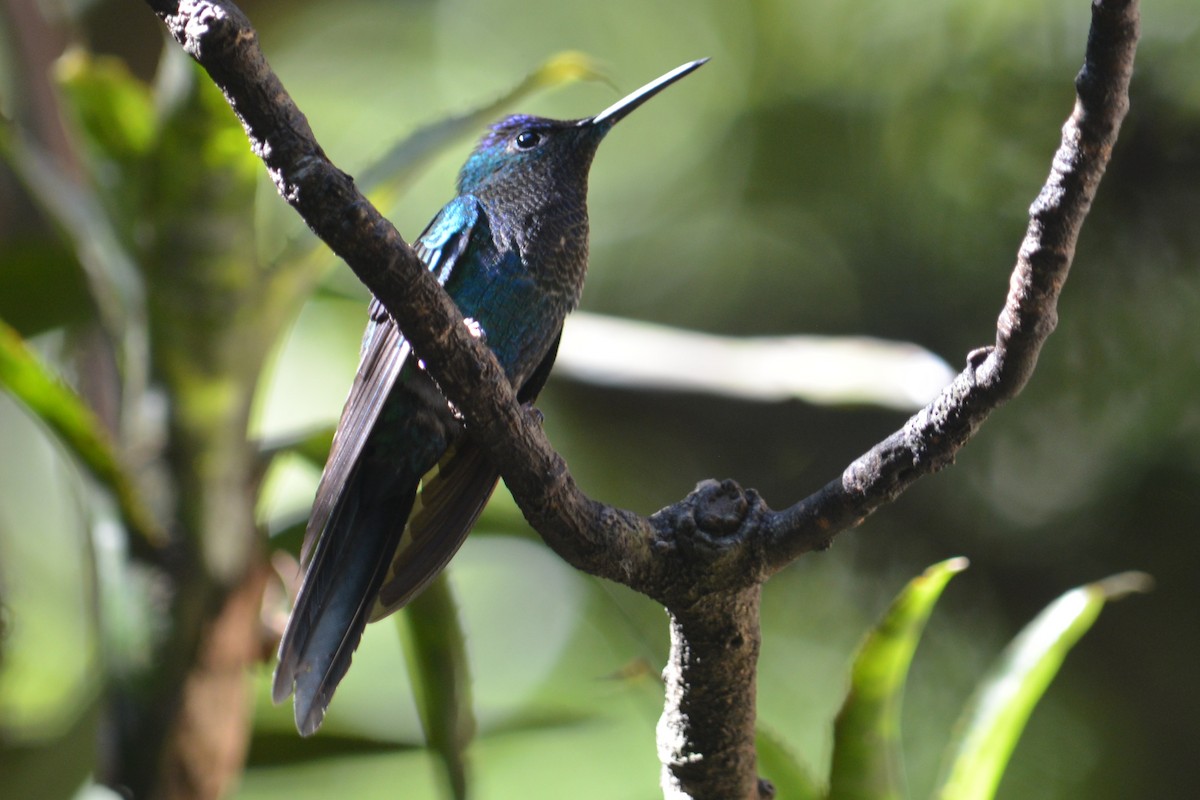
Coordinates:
<point>840,167</point>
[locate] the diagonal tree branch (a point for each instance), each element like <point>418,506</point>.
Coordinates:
<point>219,36</point>
<point>704,556</point>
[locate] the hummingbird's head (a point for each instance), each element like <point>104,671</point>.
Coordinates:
<point>521,147</point>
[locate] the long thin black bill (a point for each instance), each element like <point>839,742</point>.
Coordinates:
<point>619,109</point>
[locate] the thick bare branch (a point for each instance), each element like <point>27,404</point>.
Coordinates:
<point>706,732</point>
<point>611,542</point>
<point>588,535</point>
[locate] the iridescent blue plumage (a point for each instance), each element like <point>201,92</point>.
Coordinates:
<point>511,250</point>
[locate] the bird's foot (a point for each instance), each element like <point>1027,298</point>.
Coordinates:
<point>535,412</point>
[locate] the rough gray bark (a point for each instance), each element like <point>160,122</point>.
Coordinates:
<point>704,557</point>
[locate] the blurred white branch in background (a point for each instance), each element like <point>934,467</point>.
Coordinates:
<point>826,370</point>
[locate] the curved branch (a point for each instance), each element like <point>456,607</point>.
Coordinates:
<point>720,539</point>
<point>220,38</point>
<point>994,375</point>
<point>670,556</point>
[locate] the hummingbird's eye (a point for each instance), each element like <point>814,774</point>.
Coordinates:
<point>527,140</point>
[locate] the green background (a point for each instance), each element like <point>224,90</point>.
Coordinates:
<point>838,168</point>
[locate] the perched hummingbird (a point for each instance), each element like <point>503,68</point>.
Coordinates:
<point>511,249</point>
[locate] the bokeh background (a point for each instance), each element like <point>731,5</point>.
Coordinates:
<point>839,168</point>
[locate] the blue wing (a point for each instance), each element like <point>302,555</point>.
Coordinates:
<point>384,352</point>
<point>358,515</point>
<point>452,497</point>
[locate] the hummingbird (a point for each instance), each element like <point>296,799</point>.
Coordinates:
<point>405,482</point>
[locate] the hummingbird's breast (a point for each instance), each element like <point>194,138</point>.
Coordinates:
<point>549,232</point>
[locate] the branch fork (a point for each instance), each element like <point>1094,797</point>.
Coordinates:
<point>706,556</point>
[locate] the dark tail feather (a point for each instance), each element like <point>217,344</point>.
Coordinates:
<point>335,600</point>
<point>452,497</point>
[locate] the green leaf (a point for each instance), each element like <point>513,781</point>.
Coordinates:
<point>84,222</point>
<point>115,122</point>
<point>95,214</point>
<point>866,751</point>
<point>777,763</point>
<point>993,720</point>
<point>384,180</point>
<point>436,651</point>
<point>113,108</point>
<point>66,415</point>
